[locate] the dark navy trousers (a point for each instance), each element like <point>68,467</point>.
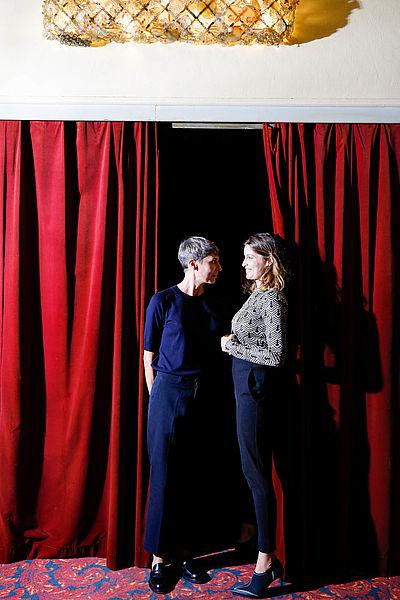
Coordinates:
<point>256,390</point>
<point>170,444</point>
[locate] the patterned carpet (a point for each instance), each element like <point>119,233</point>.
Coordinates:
<point>89,578</point>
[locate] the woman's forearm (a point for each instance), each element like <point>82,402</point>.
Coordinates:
<point>148,369</point>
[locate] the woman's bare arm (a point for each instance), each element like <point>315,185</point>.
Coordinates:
<point>148,369</point>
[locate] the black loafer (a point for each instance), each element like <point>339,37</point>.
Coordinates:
<point>158,580</point>
<point>193,573</point>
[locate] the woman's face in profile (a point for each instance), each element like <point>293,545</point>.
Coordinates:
<point>208,269</point>
<point>254,264</point>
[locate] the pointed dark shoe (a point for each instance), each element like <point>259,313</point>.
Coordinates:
<point>260,582</point>
<point>192,572</point>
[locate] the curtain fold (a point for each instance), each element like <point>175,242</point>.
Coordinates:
<point>335,193</point>
<point>79,240</point>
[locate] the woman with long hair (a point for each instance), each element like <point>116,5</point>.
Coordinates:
<point>258,348</point>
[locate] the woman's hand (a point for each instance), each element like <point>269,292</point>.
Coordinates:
<point>224,339</point>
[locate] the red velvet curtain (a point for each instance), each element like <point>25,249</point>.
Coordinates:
<point>335,197</point>
<point>78,254</point>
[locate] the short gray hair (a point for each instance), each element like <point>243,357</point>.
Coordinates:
<point>195,248</point>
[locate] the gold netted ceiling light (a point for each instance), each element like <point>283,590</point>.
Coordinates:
<point>227,22</point>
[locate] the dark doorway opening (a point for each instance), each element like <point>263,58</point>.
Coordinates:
<point>213,183</point>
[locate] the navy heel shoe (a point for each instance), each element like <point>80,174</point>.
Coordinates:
<point>260,582</point>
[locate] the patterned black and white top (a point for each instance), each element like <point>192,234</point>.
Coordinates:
<point>259,328</point>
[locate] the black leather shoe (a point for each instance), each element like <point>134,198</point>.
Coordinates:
<point>192,572</point>
<point>260,582</point>
<point>158,580</point>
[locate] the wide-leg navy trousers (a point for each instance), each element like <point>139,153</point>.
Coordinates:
<point>169,443</point>
<point>256,390</point>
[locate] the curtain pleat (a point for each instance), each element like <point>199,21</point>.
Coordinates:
<point>79,215</point>
<point>10,421</point>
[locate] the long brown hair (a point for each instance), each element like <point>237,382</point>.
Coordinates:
<point>268,246</point>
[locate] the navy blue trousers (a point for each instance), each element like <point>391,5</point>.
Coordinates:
<point>256,390</point>
<point>170,447</point>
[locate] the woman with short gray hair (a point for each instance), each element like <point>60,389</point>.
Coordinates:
<point>180,343</point>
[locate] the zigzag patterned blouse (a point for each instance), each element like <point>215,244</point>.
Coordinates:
<point>259,328</point>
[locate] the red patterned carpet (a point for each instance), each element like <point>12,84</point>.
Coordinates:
<point>89,578</point>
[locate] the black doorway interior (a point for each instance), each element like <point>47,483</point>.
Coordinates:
<point>213,183</point>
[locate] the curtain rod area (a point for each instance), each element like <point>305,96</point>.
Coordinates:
<point>217,125</point>
<point>194,115</point>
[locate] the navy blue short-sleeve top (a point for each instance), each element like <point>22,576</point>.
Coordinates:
<point>182,331</point>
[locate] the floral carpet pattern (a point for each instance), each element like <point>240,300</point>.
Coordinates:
<point>90,579</point>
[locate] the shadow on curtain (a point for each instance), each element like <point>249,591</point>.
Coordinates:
<point>78,254</point>
<point>335,193</point>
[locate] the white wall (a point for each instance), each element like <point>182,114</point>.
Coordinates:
<point>347,63</point>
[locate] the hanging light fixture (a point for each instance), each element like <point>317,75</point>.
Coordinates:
<point>227,22</point>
